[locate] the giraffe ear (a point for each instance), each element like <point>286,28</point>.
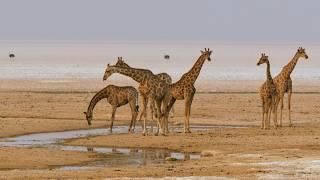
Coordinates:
<point>108,65</point>
<point>201,51</point>
<point>85,113</point>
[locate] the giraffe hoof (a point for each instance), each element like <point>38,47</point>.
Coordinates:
<point>143,134</point>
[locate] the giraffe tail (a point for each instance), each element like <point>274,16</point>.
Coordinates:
<point>137,102</point>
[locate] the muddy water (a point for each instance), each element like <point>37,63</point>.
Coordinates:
<point>112,157</point>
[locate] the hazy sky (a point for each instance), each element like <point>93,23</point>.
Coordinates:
<point>220,20</point>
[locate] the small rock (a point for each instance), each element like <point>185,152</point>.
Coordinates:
<point>170,159</point>
<point>207,153</point>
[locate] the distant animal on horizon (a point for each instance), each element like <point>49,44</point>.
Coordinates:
<point>184,89</point>
<point>268,94</point>
<point>163,76</point>
<point>11,55</point>
<point>283,82</point>
<point>116,96</point>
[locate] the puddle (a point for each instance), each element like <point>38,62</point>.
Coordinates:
<point>112,157</point>
<point>115,157</point>
<point>54,137</point>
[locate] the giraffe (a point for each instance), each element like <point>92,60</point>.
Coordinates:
<point>268,94</point>
<point>117,96</point>
<point>151,87</point>
<point>184,89</point>
<point>283,82</point>
<point>163,76</point>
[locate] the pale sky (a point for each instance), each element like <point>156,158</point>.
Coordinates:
<point>203,20</point>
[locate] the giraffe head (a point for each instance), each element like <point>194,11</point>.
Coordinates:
<point>263,59</point>
<point>107,72</point>
<point>301,52</point>
<point>88,117</point>
<point>121,63</point>
<point>206,54</point>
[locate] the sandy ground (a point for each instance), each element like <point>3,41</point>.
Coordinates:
<point>37,158</point>
<point>246,152</point>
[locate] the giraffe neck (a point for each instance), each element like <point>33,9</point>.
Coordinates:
<point>96,98</point>
<point>287,70</point>
<point>268,73</point>
<point>192,75</point>
<point>139,75</point>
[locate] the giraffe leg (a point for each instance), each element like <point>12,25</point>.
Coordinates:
<point>276,109</point>
<point>143,112</point>
<point>187,116</point>
<point>289,106</point>
<point>268,114</point>
<point>165,110</point>
<point>188,103</point>
<point>160,124</point>
<point>112,117</point>
<point>190,111</point>
<point>263,112</point>
<point>133,115</point>
<point>274,113</point>
<point>172,112</point>
<point>135,118</point>
<point>145,104</point>
<point>264,120</point>
<point>141,115</point>
<point>281,108</point>
<point>153,113</point>
<point>152,109</point>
